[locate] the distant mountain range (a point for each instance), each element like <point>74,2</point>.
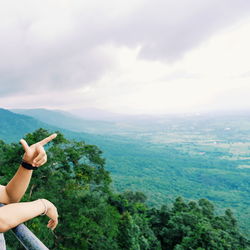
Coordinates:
<point>14,126</point>
<point>123,125</point>
<point>67,120</point>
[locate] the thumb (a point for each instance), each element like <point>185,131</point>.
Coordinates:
<point>25,145</point>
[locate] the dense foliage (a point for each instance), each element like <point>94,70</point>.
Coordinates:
<point>92,216</point>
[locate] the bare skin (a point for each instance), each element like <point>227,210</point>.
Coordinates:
<point>15,213</point>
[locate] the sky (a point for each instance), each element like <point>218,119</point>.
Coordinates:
<point>132,57</point>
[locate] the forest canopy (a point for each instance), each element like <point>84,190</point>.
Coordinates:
<point>93,216</point>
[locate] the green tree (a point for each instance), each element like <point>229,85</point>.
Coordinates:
<point>128,236</point>
<point>75,180</point>
<point>195,226</point>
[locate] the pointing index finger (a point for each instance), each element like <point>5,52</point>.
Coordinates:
<point>47,139</point>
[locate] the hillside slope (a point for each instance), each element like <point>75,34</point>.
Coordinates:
<point>13,126</point>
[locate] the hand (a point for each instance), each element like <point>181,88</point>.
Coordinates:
<point>35,154</point>
<point>52,214</point>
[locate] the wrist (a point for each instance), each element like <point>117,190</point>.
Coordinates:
<point>46,206</point>
<point>28,166</point>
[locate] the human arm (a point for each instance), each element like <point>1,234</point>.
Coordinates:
<point>17,186</point>
<point>34,155</point>
<point>16,213</point>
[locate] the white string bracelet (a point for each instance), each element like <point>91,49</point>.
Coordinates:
<point>45,206</point>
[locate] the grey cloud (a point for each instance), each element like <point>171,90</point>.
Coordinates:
<point>72,56</point>
<point>168,29</point>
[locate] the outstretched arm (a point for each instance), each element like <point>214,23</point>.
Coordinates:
<point>34,155</point>
<point>16,213</point>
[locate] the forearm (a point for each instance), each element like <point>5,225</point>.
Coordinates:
<point>18,185</point>
<point>16,213</point>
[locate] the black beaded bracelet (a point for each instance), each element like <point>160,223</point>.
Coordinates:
<point>28,166</point>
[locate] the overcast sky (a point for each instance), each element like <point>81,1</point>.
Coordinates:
<point>133,56</point>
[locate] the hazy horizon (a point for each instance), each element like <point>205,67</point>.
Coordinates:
<point>95,112</point>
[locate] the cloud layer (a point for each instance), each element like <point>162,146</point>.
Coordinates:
<point>60,45</point>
